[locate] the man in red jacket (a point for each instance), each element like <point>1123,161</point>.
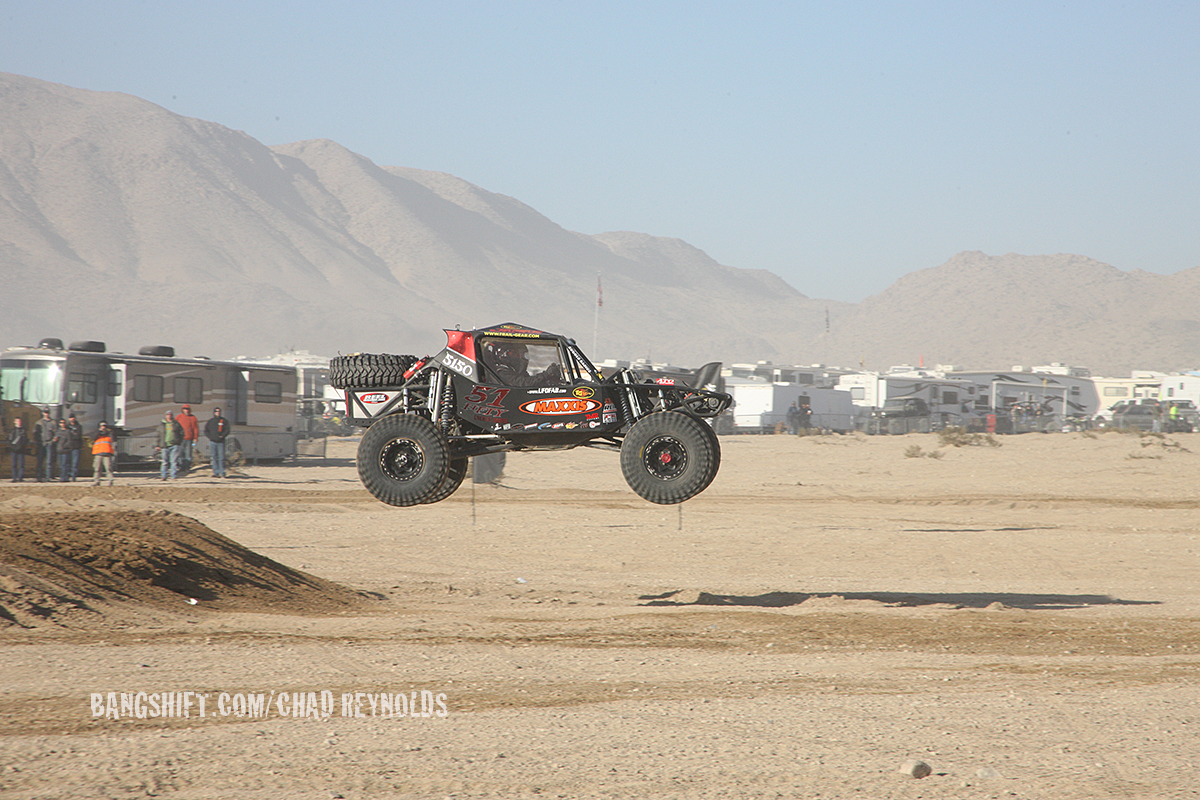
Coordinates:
<point>191,432</point>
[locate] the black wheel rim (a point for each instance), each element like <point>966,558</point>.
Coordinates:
<point>665,458</point>
<point>402,459</point>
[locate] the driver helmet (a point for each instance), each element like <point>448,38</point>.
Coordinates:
<point>507,354</point>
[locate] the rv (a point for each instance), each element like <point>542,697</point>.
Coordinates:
<point>880,400</point>
<point>320,408</point>
<point>1181,387</point>
<point>133,392</point>
<point>1021,399</point>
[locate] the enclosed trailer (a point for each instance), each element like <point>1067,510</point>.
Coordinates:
<point>760,407</point>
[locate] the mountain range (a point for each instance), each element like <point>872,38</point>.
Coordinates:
<point>123,222</point>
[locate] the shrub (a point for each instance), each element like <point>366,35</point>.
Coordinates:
<point>955,436</point>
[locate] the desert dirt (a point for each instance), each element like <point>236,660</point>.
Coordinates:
<point>1023,618</point>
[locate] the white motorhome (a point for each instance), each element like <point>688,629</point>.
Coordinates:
<point>133,392</point>
<point>951,401</point>
<point>761,406</point>
<point>320,408</point>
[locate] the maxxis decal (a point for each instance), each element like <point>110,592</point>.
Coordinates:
<point>558,406</point>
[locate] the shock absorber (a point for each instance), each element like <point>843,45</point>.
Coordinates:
<point>446,406</point>
<point>623,400</point>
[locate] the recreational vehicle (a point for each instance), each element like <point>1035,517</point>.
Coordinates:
<point>948,401</point>
<point>1181,387</point>
<point>1022,400</point>
<point>133,392</point>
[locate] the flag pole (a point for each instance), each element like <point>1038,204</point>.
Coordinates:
<point>596,320</point>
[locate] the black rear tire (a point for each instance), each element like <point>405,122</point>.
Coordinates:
<point>716,443</point>
<point>669,457</point>
<point>403,459</point>
<point>454,478</point>
<point>366,371</point>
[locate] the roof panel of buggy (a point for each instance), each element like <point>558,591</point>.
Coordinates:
<point>512,330</point>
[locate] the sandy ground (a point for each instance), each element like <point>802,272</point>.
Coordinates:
<point>1022,618</point>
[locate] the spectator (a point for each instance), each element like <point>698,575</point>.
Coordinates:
<point>76,444</point>
<point>62,448</point>
<point>170,437</point>
<point>43,440</point>
<point>191,432</point>
<point>804,416</point>
<point>217,430</point>
<point>18,440</point>
<point>793,419</point>
<point>104,453</point>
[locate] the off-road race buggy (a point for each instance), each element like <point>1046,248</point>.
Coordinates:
<point>511,387</point>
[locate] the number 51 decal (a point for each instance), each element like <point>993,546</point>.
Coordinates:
<point>488,395</point>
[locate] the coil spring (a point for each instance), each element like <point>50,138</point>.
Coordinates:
<point>446,410</point>
<point>623,404</point>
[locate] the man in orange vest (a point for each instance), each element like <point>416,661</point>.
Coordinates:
<point>104,453</point>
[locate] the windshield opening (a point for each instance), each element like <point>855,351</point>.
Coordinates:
<point>31,381</point>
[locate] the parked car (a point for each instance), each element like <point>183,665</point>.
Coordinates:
<point>1136,416</point>
<point>1103,418</point>
<point>901,415</point>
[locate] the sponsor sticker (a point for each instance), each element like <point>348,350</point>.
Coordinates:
<point>558,406</point>
<point>458,364</point>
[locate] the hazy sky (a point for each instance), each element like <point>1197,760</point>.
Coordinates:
<point>838,145</point>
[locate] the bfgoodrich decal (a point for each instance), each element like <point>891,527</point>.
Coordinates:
<point>555,406</point>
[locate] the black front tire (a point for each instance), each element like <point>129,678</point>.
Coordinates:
<point>403,460</point>
<point>669,457</point>
<point>454,478</point>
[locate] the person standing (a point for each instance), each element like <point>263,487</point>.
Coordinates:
<point>76,444</point>
<point>217,430</point>
<point>18,440</point>
<point>62,449</point>
<point>191,432</point>
<point>104,453</point>
<point>43,441</point>
<point>170,437</point>
<point>804,417</point>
